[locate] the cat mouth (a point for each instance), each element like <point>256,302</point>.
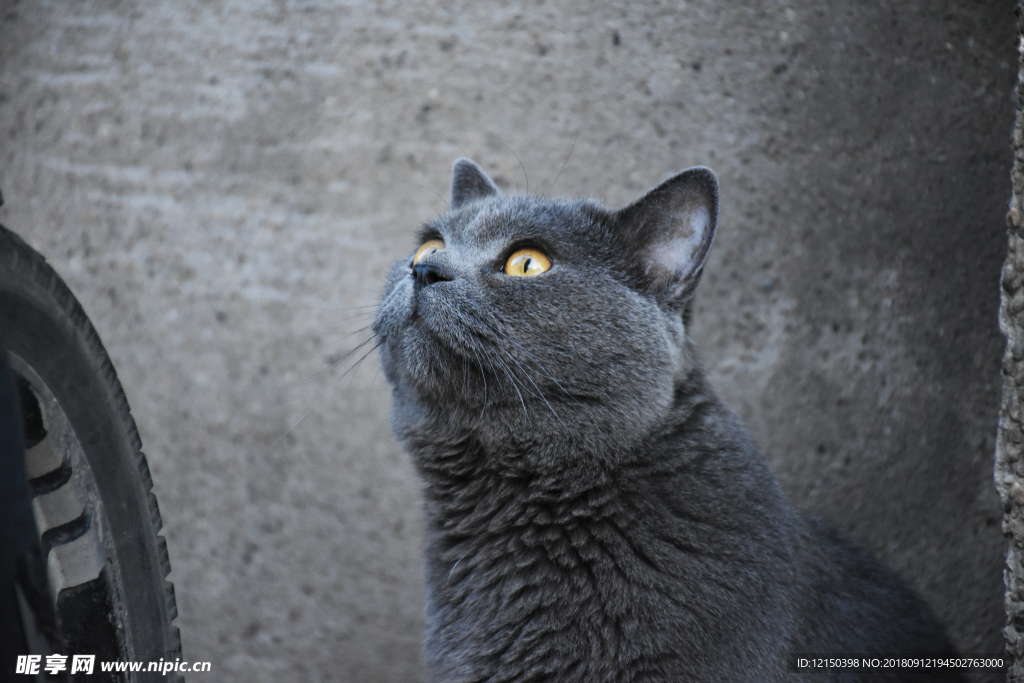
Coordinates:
<point>422,314</point>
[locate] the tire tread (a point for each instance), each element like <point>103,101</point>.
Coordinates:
<point>20,258</point>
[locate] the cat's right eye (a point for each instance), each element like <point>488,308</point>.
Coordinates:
<point>429,247</point>
<point>527,262</point>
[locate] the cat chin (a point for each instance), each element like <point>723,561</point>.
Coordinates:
<point>567,445</point>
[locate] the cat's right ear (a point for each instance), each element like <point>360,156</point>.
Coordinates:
<point>670,230</point>
<point>469,182</point>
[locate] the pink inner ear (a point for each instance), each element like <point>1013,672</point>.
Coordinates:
<point>683,253</point>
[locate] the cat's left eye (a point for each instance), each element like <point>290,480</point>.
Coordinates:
<point>429,247</point>
<point>526,262</point>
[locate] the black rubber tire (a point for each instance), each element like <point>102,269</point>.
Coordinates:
<point>47,328</point>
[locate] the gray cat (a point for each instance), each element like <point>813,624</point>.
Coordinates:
<point>594,511</point>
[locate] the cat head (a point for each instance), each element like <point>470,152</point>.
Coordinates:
<point>550,333</point>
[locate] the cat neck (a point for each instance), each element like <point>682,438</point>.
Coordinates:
<point>464,481</point>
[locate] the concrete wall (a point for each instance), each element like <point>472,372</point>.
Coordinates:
<point>223,184</point>
<point>1009,468</point>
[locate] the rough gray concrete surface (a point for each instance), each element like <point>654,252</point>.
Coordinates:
<point>223,185</point>
<point>1010,437</point>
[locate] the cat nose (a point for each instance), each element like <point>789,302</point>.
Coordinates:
<point>428,274</point>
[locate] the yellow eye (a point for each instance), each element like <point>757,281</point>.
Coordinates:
<point>428,248</point>
<point>525,262</point>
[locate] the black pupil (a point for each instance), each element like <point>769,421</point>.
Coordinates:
<point>526,264</point>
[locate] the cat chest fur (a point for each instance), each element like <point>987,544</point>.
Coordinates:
<point>593,584</point>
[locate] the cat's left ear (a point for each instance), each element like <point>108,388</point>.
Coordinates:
<point>670,229</point>
<point>469,182</point>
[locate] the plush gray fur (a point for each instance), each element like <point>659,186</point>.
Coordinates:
<point>594,511</point>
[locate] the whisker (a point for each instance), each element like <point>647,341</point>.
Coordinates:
<point>367,307</point>
<point>449,139</point>
<point>483,375</point>
<point>465,377</point>
<point>291,429</point>
<point>334,363</point>
<point>539,392</point>
<point>355,365</point>
<point>363,357</point>
<point>564,163</point>
<point>508,373</point>
<point>320,374</point>
<point>361,329</point>
<point>355,316</point>
<point>344,357</point>
<point>339,325</point>
<point>456,565</point>
<point>332,308</point>
<point>506,338</point>
<point>520,166</point>
<point>372,290</point>
<point>546,373</point>
<point>430,190</point>
<point>524,371</point>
